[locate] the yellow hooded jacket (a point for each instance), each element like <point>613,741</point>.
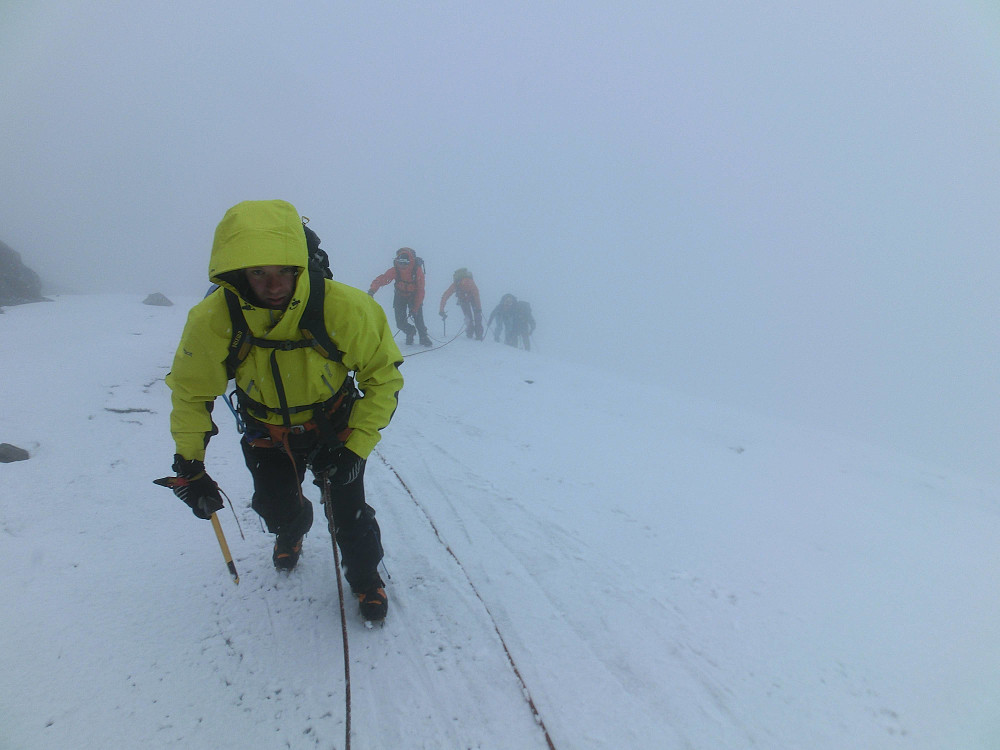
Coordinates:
<point>266,233</point>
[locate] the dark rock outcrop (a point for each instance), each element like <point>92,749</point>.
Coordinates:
<point>157,299</point>
<point>10,453</point>
<point>18,283</point>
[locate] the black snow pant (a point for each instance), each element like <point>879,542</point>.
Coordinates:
<point>278,499</point>
<point>403,306</point>
<point>521,334</point>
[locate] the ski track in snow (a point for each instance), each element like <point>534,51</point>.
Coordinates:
<point>516,549</point>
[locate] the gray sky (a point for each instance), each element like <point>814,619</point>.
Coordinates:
<point>787,206</point>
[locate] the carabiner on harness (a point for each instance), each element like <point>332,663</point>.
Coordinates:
<point>241,426</point>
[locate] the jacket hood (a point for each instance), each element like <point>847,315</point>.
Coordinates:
<point>257,233</point>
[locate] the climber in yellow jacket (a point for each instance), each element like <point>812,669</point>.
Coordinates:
<point>292,361</point>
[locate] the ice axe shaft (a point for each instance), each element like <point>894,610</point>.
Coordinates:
<point>172,482</point>
<point>225,549</point>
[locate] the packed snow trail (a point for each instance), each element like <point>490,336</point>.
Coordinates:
<point>510,657</point>
<point>176,655</point>
<point>664,573</point>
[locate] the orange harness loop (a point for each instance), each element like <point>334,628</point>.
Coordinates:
<point>278,434</point>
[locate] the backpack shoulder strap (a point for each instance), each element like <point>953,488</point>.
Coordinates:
<point>313,323</point>
<point>241,340</point>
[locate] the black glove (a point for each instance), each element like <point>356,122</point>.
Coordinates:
<point>340,465</point>
<point>443,314</point>
<point>196,488</point>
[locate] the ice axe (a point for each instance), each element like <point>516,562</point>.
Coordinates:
<point>170,483</point>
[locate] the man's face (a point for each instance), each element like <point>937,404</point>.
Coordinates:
<point>273,285</point>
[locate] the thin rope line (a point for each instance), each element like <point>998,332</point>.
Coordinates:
<point>343,614</point>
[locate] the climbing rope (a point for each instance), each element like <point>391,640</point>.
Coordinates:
<point>434,348</point>
<point>328,510</point>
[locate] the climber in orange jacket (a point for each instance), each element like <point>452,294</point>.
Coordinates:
<point>408,273</point>
<point>468,299</point>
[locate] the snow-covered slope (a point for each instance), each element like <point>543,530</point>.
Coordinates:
<point>648,571</point>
